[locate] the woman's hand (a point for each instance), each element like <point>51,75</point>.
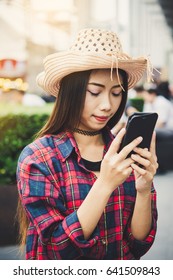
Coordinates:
<point>145,166</point>
<point>116,166</point>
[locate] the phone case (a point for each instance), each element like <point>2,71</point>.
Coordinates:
<point>140,124</point>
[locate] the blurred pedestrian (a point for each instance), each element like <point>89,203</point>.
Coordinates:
<point>159,104</point>
<point>163,89</point>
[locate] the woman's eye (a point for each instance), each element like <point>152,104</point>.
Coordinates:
<point>93,93</point>
<point>117,93</point>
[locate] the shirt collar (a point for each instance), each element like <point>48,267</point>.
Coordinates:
<point>66,143</point>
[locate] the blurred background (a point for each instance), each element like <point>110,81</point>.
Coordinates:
<point>32,29</point>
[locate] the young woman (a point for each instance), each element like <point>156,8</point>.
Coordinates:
<point>80,197</point>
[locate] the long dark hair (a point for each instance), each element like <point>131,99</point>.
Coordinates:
<point>66,116</point>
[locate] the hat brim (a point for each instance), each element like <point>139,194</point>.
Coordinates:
<point>59,65</point>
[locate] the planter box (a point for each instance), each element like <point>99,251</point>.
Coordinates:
<point>8,207</point>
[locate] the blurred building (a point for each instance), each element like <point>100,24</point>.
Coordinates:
<point>32,29</point>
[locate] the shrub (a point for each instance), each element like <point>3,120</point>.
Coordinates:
<point>137,103</point>
<point>16,131</point>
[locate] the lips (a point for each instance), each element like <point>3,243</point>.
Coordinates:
<point>101,118</point>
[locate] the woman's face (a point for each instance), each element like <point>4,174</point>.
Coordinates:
<point>103,98</point>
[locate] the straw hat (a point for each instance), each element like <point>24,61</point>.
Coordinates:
<point>93,49</point>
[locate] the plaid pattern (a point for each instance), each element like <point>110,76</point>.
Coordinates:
<point>52,183</point>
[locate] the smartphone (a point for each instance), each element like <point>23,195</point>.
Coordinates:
<point>140,124</point>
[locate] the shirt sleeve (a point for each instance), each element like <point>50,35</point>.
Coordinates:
<point>137,247</point>
<point>58,230</point>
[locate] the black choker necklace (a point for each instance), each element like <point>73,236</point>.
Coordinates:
<point>87,133</point>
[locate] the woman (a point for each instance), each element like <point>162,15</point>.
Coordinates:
<point>82,197</point>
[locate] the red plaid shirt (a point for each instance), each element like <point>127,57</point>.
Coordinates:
<point>53,182</point>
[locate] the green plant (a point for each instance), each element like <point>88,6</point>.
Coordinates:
<point>137,103</point>
<point>16,109</point>
<point>16,131</point>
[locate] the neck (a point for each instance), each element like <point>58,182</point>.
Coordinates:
<point>91,148</point>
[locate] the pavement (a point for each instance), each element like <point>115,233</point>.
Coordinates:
<point>162,248</point>
<point>11,253</point>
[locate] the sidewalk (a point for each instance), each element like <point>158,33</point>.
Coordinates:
<point>162,248</point>
<point>10,253</point>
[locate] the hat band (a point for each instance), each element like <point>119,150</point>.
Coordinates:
<point>115,58</point>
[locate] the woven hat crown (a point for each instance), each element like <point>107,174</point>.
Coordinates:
<point>97,40</point>
<point>92,49</point>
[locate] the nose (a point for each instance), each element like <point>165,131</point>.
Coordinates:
<point>105,103</point>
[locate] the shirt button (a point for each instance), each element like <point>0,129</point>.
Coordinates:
<point>103,241</point>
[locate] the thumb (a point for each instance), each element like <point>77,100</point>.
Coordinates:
<point>115,145</point>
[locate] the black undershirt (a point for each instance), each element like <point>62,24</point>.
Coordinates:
<point>92,165</point>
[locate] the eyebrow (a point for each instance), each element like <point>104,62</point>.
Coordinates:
<point>100,85</point>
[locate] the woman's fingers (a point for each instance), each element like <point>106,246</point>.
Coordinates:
<point>143,153</point>
<point>142,163</point>
<point>115,146</point>
<point>148,154</point>
<point>146,159</point>
<point>139,169</point>
<point>153,144</point>
<point>130,147</point>
<point>140,160</point>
